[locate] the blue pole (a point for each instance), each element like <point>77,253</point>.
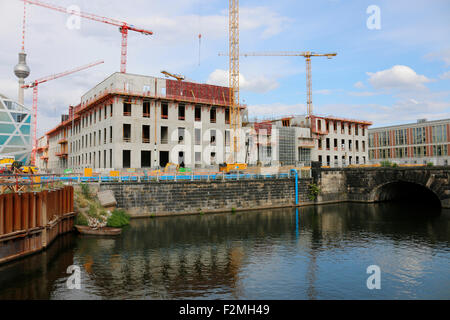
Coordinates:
<point>296,185</point>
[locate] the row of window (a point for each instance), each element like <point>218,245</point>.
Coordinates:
<point>420,135</point>
<point>164,135</point>
<point>127,111</point>
<point>92,140</point>
<point>334,125</point>
<point>92,118</point>
<point>344,160</point>
<point>94,159</point>
<point>326,144</point>
<point>417,151</point>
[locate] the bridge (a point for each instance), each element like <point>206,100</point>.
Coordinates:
<point>429,185</point>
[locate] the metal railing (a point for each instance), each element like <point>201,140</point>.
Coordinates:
<point>22,182</point>
<point>31,182</point>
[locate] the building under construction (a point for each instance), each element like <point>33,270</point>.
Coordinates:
<point>298,140</point>
<point>133,121</point>
<point>136,121</point>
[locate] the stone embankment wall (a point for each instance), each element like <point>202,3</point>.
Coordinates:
<point>166,198</point>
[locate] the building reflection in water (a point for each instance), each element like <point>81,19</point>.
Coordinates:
<point>213,256</point>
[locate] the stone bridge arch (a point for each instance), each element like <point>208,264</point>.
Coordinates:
<point>426,185</point>
<point>373,184</point>
<point>405,190</point>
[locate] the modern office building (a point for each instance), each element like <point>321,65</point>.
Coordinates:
<point>422,142</point>
<point>133,121</point>
<point>15,130</point>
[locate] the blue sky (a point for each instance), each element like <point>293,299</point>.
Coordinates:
<point>396,74</point>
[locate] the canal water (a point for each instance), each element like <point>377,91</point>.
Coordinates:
<point>318,252</point>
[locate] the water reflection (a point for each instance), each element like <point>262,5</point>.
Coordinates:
<point>305,253</point>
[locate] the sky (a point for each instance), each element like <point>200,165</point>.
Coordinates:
<point>392,64</point>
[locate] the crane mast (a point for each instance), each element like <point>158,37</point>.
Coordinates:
<point>35,85</point>
<point>234,71</point>
<point>307,55</point>
<point>124,27</point>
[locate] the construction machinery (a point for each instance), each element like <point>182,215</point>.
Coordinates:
<point>124,27</point>
<point>35,85</point>
<point>233,83</point>
<point>307,55</point>
<point>179,77</point>
<point>232,167</point>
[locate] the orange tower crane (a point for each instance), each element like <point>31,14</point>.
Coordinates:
<point>124,27</point>
<point>35,85</point>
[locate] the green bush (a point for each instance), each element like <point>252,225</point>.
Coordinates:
<point>81,220</point>
<point>430,164</point>
<point>85,190</point>
<point>386,163</point>
<point>314,191</point>
<point>92,212</point>
<point>118,219</point>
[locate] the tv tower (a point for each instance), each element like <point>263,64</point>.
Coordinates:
<point>21,70</point>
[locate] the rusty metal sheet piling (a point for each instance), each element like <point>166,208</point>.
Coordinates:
<point>17,212</point>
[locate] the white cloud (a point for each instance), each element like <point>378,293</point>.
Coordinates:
<point>362,93</point>
<point>258,84</point>
<point>443,55</point>
<point>265,18</point>
<point>397,77</point>
<point>445,75</point>
<point>359,85</point>
<point>53,48</point>
<point>401,111</point>
<point>274,110</point>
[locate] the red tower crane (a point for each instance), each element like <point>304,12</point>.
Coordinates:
<point>123,26</point>
<point>35,85</point>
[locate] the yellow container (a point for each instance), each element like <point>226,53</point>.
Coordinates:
<point>114,173</point>
<point>88,172</point>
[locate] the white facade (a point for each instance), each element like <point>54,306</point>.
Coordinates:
<point>136,129</point>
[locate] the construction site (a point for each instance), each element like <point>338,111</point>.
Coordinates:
<point>133,124</point>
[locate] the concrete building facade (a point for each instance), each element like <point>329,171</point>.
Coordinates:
<point>133,121</point>
<point>422,142</point>
<point>298,140</point>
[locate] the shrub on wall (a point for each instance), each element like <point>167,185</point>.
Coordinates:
<point>119,218</point>
<point>313,191</point>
